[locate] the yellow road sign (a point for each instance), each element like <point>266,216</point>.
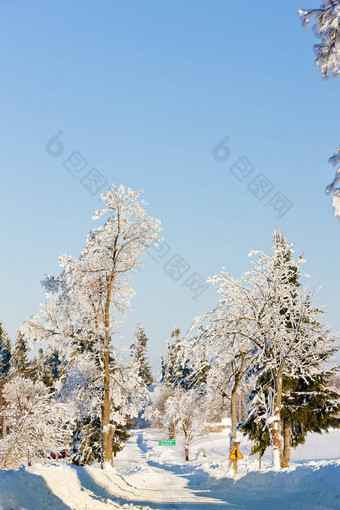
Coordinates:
<point>235,454</point>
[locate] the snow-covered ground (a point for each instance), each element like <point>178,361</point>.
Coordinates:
<point>156,477</point>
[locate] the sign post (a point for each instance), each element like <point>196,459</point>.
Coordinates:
<point>234,456</point>
<point>167,442</point>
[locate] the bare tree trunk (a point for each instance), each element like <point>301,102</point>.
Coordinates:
<point>234,423</point>
<point>286,439</point>
<point>4,420</point>
<point>172,430</point>
<point>3,410</point>
<point>66,447</point>
<point>241,406</point>
<point>238,367</point>
<point>186,444</point>
<point>107,429</point>
<point>275,426</point>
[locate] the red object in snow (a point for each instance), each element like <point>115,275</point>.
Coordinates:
<point>61,455</point>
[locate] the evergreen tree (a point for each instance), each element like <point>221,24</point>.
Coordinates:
<point>19,359</point>
<point>167,364</point>
<point>192,377</point>
<point>37,366</point>
<point>5,352</point>
<point>5,359</point>
<point>177,369</point>
<point>46,367</point>
<point>308,404</point>
<point>121,435</point>
<point>139,356</point>
<point>52,368</point>
<point>162,369</point>
<point>85,442</point>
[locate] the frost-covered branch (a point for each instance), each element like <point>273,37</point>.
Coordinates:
<point>327,28</point>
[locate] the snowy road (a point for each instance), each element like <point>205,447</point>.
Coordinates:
<point>148,476</point>
<point>164,485</point>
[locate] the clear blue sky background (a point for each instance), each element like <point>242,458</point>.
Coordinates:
<point>145,90</point>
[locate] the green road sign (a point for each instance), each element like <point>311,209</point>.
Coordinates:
<point>167,442</point>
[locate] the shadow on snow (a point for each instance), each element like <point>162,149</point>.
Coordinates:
<point>280,490</point>
<point>101,494</point>
<point>33,493</point>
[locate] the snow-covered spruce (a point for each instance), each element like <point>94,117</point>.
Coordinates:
<point>264,323</point>
<point>139,356</point>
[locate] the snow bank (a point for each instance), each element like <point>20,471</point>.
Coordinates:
<point>310,486</point>
<point>61,487</point>
<point>148,475</point>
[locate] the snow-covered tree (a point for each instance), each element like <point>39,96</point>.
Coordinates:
<point>284,327</point>
<point>308,405</point>
<point>265,326</point>
<point>326,27</point>
<point>83,387</point>
<point>139,356</point>
<point>38,366</point>
<point>5,351</point>
<point>223,340</point>
<point>53,368</point>
<point>84,304</point>
<point>20,364</point>
<point>331,188</point>
<point>5,358</point>
<point>177,369</point>
<point>185,409</point>
<point>85,446</point>
<point>33,422</point>
<point>171,367</point>
<point>155,411</point>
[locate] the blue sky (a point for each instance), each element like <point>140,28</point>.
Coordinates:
<point>144,91</point>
